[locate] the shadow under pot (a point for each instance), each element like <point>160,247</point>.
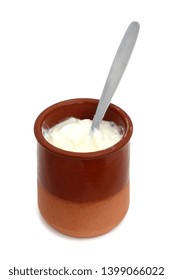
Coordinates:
<point>82,194</point>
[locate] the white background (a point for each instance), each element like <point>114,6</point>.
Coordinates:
<point>56,50</point>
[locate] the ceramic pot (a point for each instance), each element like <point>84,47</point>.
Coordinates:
<point>82,194</point>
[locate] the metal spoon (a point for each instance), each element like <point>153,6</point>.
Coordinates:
<point>116,72</point>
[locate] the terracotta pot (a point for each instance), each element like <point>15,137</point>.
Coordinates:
<point>82,194</point>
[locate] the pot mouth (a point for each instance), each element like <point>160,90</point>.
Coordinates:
<point>45,121</point>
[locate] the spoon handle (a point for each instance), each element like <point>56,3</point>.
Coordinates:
<point>116,72</point>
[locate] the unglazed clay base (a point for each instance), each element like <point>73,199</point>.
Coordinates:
<point>83,219</point>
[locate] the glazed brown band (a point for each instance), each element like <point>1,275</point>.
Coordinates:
<point>83,179</point>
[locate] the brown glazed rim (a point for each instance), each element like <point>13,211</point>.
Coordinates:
<point>40,138</point>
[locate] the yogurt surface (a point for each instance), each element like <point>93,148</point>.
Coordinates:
<point>75,135</point>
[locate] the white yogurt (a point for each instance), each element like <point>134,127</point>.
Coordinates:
<point>75,135</point>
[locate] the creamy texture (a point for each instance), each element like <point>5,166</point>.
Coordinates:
<point>75,135</point>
